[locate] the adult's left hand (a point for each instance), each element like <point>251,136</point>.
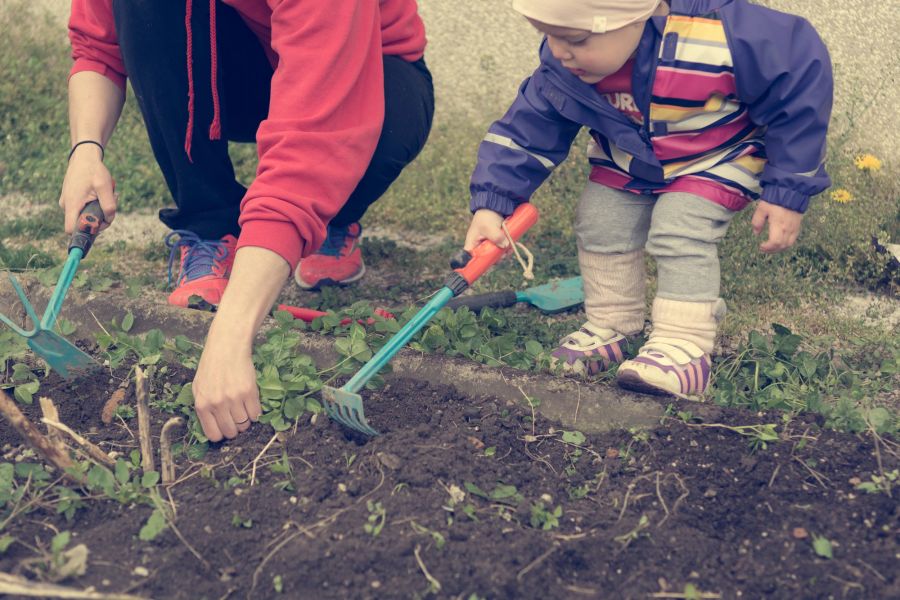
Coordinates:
<point>226,396</point>
<point>784,226</point>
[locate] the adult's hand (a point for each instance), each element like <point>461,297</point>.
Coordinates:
<point>226,396</point>
<point>225,392</point>
<point>784,226</point>
<point>87,179</point>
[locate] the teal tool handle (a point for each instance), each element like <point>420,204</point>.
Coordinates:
<point>383,356</point>
<point>87,228</point>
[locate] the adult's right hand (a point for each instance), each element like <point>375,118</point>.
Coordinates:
<point>87,179</point>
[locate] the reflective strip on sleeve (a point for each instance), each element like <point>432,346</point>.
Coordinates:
<point>509,143</point>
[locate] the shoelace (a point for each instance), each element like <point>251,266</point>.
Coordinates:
<point>201,256</point>
<point>334,241</point>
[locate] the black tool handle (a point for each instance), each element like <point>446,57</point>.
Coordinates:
<point>479,301</point>
<point>89,221</point>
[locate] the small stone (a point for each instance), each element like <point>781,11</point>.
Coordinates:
<point>612,453</point>
<point>799,533</point>
<point>547,498</point>
<point>391,461</point>
<point>207,529</point>
<point>710,493</point>
<point>375,584</point>
<point>854,481</point>
<point>293,499</point>
<point>342,487</point>
<point>472,412</point>
<point>141,572</point>
<point>106,582</point>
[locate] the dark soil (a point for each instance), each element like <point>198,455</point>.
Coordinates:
<point>682,504</point>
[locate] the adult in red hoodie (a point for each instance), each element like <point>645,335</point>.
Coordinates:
<point>338,99</point>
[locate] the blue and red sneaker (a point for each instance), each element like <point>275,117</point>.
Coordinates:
<point>338,262</point>
<point>204,271</point>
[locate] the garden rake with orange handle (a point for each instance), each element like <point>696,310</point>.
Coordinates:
<point>61,354</point>
<point>344,404</point>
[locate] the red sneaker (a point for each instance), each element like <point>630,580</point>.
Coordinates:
<point>205,267</point>
<point>338,262</point>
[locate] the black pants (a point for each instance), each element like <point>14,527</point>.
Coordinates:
<point>207,196</point>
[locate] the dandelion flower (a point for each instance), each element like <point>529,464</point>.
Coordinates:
<point>841,196</point>
<point>868,162</point>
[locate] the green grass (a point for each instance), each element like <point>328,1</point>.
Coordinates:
<point>805,289</point>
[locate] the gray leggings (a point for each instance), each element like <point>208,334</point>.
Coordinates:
<point>681,231</point>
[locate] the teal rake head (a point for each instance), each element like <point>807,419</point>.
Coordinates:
<point>62,356</point>
<point>346,408</point>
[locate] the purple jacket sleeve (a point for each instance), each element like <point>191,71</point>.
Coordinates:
<point>520,150</point>
<point>783,72</point>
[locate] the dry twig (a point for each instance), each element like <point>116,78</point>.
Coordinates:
<point>143,415</point>
<point>91,449</point>
<point>553,548</point>
<point>259,456</point>
<point>167,465</point>
<point>12,584</point>
<point>56,454</point>
<point>435,584</point>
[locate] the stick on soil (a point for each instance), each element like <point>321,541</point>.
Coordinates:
<point>56,454</point>
<point>115,399</point>
<point>48,409</point>
<point>143,415</point>
<point>167,465</point>
<point>11,584</point>
<point>90,449</point>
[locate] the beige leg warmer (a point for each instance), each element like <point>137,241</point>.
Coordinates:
<point>614,290</point>
<point>692,321</point>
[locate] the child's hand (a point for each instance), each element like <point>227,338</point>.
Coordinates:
<point>784,226</point>
<point>485,226</point>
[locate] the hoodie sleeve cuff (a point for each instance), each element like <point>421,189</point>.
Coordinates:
<point>493,201</point>
<point>786,198</point>
<point>279,237</point>
<point>85,64</point>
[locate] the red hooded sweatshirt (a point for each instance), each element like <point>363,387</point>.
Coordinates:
<point>326,109</point>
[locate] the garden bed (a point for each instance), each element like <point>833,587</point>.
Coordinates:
<point>484,498</point>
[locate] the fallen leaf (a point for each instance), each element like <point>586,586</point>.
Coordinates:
<point>116,398</point>
<point>479,445</point>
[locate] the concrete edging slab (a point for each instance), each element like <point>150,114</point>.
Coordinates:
<point>589,407</point>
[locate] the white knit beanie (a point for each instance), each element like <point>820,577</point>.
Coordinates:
<point>596,16</point>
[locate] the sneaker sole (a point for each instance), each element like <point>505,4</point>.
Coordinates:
<point>203,305</point>
<point>330,282</point>
<point>631,382</point>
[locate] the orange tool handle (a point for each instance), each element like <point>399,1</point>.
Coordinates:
<point>309,315</point>
<point>473,265</point>
<point>87,227</point>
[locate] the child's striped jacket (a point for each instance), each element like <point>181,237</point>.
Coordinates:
<point>735,100</point>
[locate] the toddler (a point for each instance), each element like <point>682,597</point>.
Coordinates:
<point>695,108</point>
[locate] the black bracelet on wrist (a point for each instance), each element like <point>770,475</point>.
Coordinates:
<point>98,144</point>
